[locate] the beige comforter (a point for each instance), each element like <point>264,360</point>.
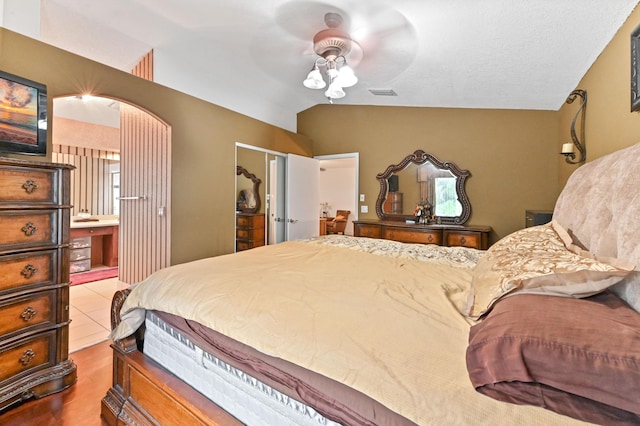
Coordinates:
<point>376,315</point>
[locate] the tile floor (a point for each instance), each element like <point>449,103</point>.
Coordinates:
<point>90,312</point>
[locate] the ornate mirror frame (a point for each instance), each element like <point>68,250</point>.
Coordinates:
<point>256,188</point>
<point>420,157</point>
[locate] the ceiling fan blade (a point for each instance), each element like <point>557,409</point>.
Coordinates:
<point>388,41</point>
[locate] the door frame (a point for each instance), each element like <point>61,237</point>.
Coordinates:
<point>356,195</point>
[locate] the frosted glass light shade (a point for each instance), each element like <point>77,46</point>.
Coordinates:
<point>314,80</point>
<point>334,91</point>
<point>346,76</point>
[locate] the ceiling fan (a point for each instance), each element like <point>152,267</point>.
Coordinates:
<point>370,38</point>
<point>332,45</point>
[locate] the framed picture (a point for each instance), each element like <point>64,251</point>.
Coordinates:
<point>23,116</point>
<point>635,69</point>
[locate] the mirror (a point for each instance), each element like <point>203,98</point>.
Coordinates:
<point>421,179</point>
<point>269,167</point>
<point>248,200</point>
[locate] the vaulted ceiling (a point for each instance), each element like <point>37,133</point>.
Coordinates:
<point>252,56</point>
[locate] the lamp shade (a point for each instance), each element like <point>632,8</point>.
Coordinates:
<point>346,76</point>
<point>567,148</point>
<point>334,91</point>
<point>314,80</point>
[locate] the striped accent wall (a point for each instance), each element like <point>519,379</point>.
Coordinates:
<point>145,185</point>
<point>144,69</point>
<point>91,186</point>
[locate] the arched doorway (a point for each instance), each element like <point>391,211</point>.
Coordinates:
<point>122,156</point>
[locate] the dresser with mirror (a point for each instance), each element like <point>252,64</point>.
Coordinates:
<point>423,200</point>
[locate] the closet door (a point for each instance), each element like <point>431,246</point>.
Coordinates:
<point>303,176</point>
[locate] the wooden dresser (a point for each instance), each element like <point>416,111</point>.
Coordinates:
<point>444,235</point>
<point>34,280</point>
<point>250,230</point>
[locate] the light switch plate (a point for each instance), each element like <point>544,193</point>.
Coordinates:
<point>361,197</point>
<point>364,209</point>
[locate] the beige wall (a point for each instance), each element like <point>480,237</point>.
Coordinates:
<point>204,136</point>
<point>610,124</point>
<point>512,155</point>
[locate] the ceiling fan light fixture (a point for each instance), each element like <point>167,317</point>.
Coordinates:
<point>332,45</point>
<point>314,79</point>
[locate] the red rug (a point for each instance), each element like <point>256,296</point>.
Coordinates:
<point>90,276</point>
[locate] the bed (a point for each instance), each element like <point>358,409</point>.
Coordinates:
<point>542,328</point>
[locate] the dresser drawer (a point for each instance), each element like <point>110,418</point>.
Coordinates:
<point>247,245</point>
<point>27,269</point>
<point>250,221</point>
<point>27,356</point>
<point>464,239</point>
<point>27,312</point>
<point>24,229</point>
<point>422,236</point>
<point>371,231</point>
<point>27,185</point>
<point>250,234</point>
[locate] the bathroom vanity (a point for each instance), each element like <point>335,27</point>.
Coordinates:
<point>94,242</point>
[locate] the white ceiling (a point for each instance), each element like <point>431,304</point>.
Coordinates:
<point>251,56</point>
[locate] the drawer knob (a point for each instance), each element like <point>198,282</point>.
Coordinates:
<point>430,238</point>
<point>29,271</point>
<point>463,240</point>
<point>29,229</point>
<point>27,357</point>
<point>30,186</point>
<point>28,314</point>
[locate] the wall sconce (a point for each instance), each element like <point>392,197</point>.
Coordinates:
<point>569,147</point>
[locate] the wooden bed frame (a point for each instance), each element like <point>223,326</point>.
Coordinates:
<point>144,393</point>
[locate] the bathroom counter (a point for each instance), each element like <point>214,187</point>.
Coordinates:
<point>94,221</point>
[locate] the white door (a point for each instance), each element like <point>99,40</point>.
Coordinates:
<point>303,175</point>
<point>276,199</point>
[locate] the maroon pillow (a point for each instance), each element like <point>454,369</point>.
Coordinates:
<point>578,357</point>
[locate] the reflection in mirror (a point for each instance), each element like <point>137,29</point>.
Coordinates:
<point>422,181</point>
<point>269,167</point>
<point>254,163</point>
<point>248,200</point>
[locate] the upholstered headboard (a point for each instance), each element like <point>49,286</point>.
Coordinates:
<point>600,207</point>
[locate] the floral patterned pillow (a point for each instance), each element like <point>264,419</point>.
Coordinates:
<point>536,260</point>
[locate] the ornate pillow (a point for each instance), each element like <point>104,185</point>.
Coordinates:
<point>536,260</point>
